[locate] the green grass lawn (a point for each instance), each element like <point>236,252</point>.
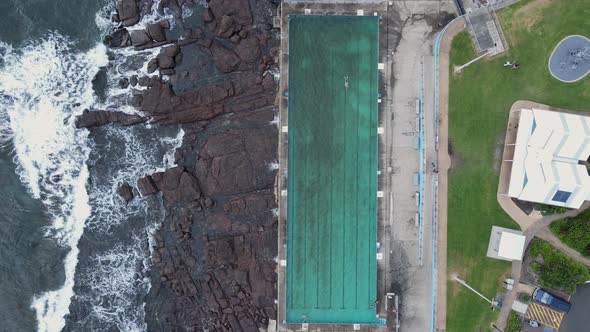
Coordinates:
<point>479,100</point>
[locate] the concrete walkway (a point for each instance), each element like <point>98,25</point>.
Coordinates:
<point>444,163</point>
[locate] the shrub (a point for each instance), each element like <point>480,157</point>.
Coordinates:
<point>575,232</point>
<point>557,270</point>
<point>514,323</point>
<point>524,297</point>
<point>548,210</point>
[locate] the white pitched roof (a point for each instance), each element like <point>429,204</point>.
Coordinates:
<point>548,148</point>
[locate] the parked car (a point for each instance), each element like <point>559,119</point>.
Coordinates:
<point>550,300</point>
<point>533,323</point>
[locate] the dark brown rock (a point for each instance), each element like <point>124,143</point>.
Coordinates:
<point>139,37</point>
<point>178,58</point>
<point>119,38</point>
<point>208,16</point>
<point>214,255</point>
<point>167,71</point>
<point>123,83</point>
<point>205,42</point>
<point>89,119</point>
<point>146,186</point>
<point>225,26</point>
<point>133,80</point>
<point>248,49</point>
<point>156,32</point>
<point>225,59</point>
<point>151,67</point>
<point>164,24</point>
<point>177,185</point>
<point>128,12</point>
<point>154,45</point>
<point>239,9</point>
<point>165,61</point>
<point>125,191</point>
<point>171,51</point>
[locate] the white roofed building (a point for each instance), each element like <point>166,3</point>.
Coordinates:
<point>506,244</point>
<point>546,164</point>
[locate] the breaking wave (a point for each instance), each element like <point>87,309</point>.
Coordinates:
<point>43,87</point>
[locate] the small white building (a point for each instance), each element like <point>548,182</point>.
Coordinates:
<point>506,244</point>
<point>546,164</point>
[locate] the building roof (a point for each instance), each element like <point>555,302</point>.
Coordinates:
<point>546,163</point>
<point>544,315</point>
<point>511,246</point>
<point>506,244</point>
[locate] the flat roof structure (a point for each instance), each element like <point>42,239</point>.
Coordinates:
<point>332,170</point>
<point>548,154</point>
<point>506,244</point>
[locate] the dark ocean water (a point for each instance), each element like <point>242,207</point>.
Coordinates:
<point>25,20</point>
<point>73,255</point>
<point>29,263</point>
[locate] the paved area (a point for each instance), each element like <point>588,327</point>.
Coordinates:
<point>410,135</point>
<point>578,319</point>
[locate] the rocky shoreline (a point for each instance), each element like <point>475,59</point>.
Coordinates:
<point>214,254</point>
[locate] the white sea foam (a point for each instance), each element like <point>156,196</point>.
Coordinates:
<point>44,86</point>
<point>174,143</point>
<point>138,158</point>
<point>273,166</point>
<point>114,279</point>
<point>275,120</point>
<point>117,278</point>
